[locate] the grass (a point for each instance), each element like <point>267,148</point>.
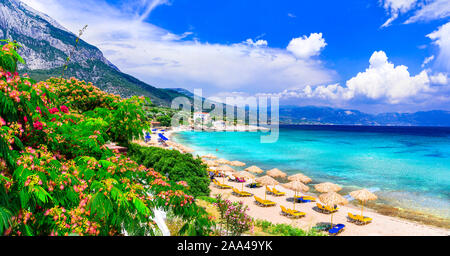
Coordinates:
<point>263,227</point>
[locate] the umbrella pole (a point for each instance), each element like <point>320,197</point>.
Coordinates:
<point>265,193</point>
<point>362,207</point>
<point>295,195</point>
<point>332,220</point>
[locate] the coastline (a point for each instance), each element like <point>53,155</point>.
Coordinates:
<point>387,220</point>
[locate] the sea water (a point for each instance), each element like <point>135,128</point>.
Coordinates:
<point>407,167</point>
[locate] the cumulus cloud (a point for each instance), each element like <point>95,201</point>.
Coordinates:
<point>384,80</point>
<point>441,38</point>
<point>164,59</point>
<point>437,9</point>
<point>439,79</point>
<point>305,47</point>
<point>396,7</point>
<point>381,82</point>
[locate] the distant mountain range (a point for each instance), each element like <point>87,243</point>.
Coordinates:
<point>334,116</point>
<point>46,45</point>
<point>328,115</point>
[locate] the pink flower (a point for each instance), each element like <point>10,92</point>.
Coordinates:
<point>38,125</point>
<point>53,110</point>
<point>64,109</point>
<point>2,121</point>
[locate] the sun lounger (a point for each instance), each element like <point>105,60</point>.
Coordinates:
<point>358,219</point>
<point>305,199</point>
<point>277,193</point>
<point>274,192</point>
<point>220,185</point>
<point>254,185</point>
<point>326,209</point>
<point>291,213</point>
<point>241,193</point>
<point>336,229</point>
<point>262,202</point>
<point>240,180</point>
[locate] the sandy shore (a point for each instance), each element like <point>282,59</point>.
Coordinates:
<point>169,144</point>
<point>381,225</point>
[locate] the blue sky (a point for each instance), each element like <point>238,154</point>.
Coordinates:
<point>375,56</point>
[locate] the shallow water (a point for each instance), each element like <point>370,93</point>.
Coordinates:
<point>408,167</point>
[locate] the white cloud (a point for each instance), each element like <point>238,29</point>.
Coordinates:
<point>381,82</point>
<point>151,5</point>
<point>437,9</point>
<point>305,47</point>
<point>258,43</point>
<point>396,7</point>
<point>427,60</point>
<point>165,59</point>
<point>384,80</point>
<point>440,79</point>
<point>441,38</point>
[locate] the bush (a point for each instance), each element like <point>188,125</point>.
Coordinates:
<point>208,199</point>
<point>57,177</point>
<point>284,229</point>
<point>175,165</point>
<point>233,215</point>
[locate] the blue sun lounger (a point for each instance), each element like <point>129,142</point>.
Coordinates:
<point>338,228</point>
<point>301,200</point>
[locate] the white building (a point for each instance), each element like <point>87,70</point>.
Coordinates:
<point>201,115</point>
<point>219,124</point>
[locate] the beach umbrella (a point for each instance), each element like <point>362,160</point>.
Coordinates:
<point>327,187</point>
<point>331,199</point>
<point>211,163</point>
<point>296,186</point>
<point>254,169</point>
<point>226,168</point>
<point>210,156</point>
<point>244,175</point>
<point>222,161</point>
<point>363,195</point>
<point>267,181</point>
<point>300,177</point>
<point>275,172</point>
<point>236,163</point>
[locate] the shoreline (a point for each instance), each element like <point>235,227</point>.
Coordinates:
<point>389,215</point>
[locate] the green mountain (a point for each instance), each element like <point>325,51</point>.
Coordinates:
<point>46,45</point>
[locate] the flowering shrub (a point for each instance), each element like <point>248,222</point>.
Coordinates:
<point>57,177</point>
<point>233,216</point>
<point>183,168</point>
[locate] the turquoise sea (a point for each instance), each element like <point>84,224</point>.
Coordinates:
<point>407,167</point>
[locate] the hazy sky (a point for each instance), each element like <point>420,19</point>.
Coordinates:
<point>375,56</point>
